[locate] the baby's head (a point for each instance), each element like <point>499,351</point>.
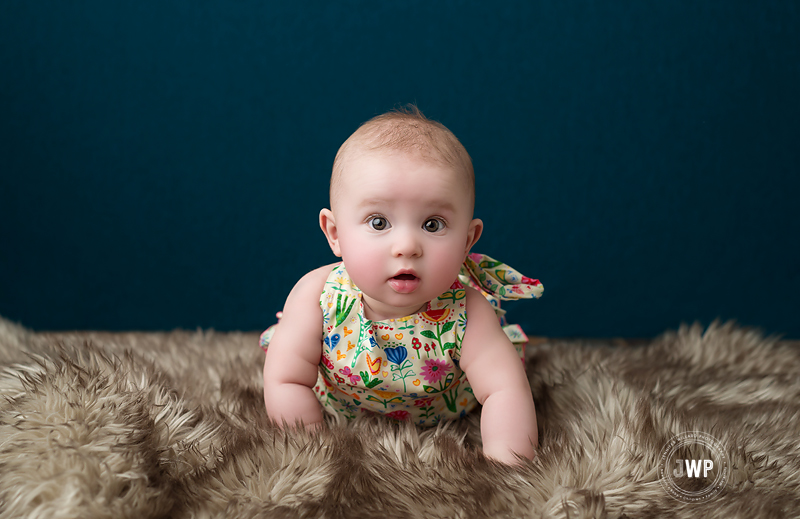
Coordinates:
<point>402,198</point>
<point>408,132</point>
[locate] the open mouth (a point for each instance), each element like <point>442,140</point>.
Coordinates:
<point>404,283</point>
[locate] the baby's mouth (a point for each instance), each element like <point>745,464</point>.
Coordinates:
<point>404,283</point>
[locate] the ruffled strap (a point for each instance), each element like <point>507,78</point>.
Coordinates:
<point>497,279</point>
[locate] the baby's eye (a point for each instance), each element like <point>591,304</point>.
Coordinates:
<point>379,223</point>
<point>433,225</point>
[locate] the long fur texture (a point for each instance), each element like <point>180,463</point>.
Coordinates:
<point>96,425</point>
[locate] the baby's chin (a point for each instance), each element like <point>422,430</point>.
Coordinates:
<point>393,308</point>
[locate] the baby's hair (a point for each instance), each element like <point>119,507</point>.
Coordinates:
<point>407,130</point>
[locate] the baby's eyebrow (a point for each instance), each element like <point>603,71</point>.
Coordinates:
<point>438,205</point>
<point>444,206</point>
<point>371,202</point>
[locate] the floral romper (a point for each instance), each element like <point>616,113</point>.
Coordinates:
<point>407,368</point>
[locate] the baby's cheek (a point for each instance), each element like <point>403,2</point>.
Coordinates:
<point>364,268</point>
<point>447,264</point>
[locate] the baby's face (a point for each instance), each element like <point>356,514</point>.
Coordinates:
<point>403,227</point>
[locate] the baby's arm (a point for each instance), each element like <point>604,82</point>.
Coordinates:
<point>498,379</point>
<point>293,355</point>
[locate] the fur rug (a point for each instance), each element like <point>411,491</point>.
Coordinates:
<point>173,425</point>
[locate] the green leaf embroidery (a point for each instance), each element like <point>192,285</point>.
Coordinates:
<point>448,346</point>
<point>501,274</point>
<point>341,313</point>
<point>385,403</point>
<point>448,326</point>
<point>367,382</point>
<point>450,399</point>
<point>429,334</point>
<point>448,381</point>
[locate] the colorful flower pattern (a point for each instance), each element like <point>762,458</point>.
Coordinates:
<point>434,370</point>
<point>407,368</point>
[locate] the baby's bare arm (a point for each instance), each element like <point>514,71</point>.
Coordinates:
<point>498,379</point>
<point>293,355</point>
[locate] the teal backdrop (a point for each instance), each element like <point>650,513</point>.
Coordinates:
<point>162,164</point>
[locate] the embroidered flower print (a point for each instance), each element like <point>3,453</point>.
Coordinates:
<point>407,368</point>
<point>434,370</point>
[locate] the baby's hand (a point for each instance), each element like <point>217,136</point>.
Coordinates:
<point>501,452</point>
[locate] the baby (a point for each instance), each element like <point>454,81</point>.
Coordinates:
<point>385,330</point>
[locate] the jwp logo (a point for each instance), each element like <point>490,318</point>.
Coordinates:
<point>693,467</point>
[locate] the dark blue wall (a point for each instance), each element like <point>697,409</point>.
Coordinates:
<point>162,164</point>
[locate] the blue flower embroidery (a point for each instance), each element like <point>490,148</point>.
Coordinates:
<point>396,355</point>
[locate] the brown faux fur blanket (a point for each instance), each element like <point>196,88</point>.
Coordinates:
<point>173,425</point>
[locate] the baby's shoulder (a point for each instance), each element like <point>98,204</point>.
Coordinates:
<point>319,274</point>
<point>311,285</point>
<point>478,308</point>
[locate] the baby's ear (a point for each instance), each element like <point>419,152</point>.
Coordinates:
<point>473,233</point>
<point>328,226</point>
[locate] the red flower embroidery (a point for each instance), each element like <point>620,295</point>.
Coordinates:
<point>529,281</point>
<point>436,316</point>
<point>399,415</point>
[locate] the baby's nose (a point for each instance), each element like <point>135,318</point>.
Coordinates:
<point>406,244</point>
